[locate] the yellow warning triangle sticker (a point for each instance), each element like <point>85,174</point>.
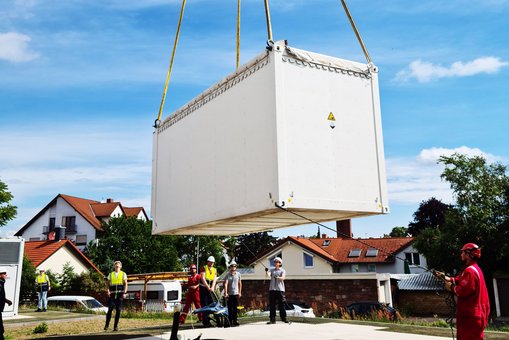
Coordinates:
<point>331,117</point>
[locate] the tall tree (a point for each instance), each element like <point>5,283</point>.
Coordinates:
<point>130,240</point>
<point>7,210</point>
<point>250,245</point>
<point>480,215</point>
<point>398,232</point>
<point>430,214</point>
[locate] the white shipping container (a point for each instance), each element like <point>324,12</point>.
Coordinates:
<point>11,259</point>
<point>290,127</point>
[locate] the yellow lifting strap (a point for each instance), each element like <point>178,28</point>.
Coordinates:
<point>238,36</point>
<point>357,34</point>
<point>267,17</point>
<point>158,120</point>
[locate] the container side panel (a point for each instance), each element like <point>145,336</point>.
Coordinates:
<point>218,161</point>
<point>331,144</point>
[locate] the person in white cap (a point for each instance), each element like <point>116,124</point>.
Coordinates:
<point>233,292</point>
<point>208,275</point>
<point>3,299</point>
<point>277,290</point>
<point>43,287</point>
<point>116,290</point>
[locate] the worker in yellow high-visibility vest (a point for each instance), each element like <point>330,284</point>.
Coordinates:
<point>116,289</point>
<point>43,286</point>
<point>208,275</point>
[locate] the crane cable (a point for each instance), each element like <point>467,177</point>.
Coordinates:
<point>168,75</point>
<point>267,17</point>
<point>237,64</point>
<point>350,237</point>
<point>357,34</point>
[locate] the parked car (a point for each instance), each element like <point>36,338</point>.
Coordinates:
<point>295,309</point>
<point>76,302</point>
<point>367,308</point>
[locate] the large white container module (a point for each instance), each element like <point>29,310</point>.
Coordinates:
<point>290,127</point>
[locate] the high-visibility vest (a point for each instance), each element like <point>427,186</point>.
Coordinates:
<point>117,282</point>
<point>42,282</point>
<point>210,274</point>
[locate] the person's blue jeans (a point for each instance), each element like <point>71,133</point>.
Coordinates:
<point>42,300</point>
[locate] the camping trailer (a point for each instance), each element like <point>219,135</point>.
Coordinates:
<point>160,296</point>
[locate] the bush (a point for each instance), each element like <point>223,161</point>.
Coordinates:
<point>41,328</point>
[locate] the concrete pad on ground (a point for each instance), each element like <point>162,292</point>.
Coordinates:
<point>295,331</point>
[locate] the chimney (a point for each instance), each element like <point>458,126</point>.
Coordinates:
<point>344,228</point>
<point>324,235</point>
<point>59,233</point>
<point>109,200</point>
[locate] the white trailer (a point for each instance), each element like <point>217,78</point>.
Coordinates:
<point>291,127</point>
<point>160,295</point>
<point>11,258</point>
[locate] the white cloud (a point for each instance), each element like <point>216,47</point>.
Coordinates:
<point>412,180</point>
<point>14,47</point>
<point>425,71</point>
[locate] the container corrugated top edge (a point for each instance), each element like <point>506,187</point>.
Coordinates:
<point>293,55</point>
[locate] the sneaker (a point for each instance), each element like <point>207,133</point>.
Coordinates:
<point>270,322</point>
<point>44,310</point>
<point>39,310</point>
<point>115,329</point>
<point>235,323</point>
<point>105,328</point>
<point>286,321</point>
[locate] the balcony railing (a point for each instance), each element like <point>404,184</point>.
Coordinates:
<point>71,229</point>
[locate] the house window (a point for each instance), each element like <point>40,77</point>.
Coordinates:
<point>271,259</point>
<point>355,268</point>
<point>81,240</point>
<point>69,222</point>
<point>308,261</point>
<point>51,224</point>
<point>34,239</point>
<point>325,243</point>
<point>372,268</point>
<point>371,252</point>
<point>355,253</point>
<point>413,258</point>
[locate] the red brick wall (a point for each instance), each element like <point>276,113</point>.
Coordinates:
<point>422,303</point>
<point>322,295</point>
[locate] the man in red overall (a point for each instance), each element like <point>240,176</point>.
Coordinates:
<point>473,307</point>
<point>193,293</point>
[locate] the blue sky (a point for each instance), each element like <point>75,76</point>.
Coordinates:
<point>81,82</point>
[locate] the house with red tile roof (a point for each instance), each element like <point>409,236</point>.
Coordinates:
<point>76,219</point>
<point>53,255</point>
<point>332,272</point>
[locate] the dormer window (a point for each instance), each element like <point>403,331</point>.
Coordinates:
<point>355,252</point>
<point>325,243</point>
<point>371,252</point>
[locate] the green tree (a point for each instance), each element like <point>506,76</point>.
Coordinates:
<point>27,287</point>
<point>7,210</point>
<point>480,215</point>
<point>202,246</point>
<point>430,214</point>
<point>398,232</point>
<point>251,245</point>
<point>130,240</point>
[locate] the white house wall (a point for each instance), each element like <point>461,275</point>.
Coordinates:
<point>56,262</point>
<point>62,208</point>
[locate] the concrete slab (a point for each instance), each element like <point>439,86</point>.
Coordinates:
<point>295,330</point>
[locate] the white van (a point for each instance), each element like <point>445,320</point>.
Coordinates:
<point>161,295</point>
<point>76,302</point>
